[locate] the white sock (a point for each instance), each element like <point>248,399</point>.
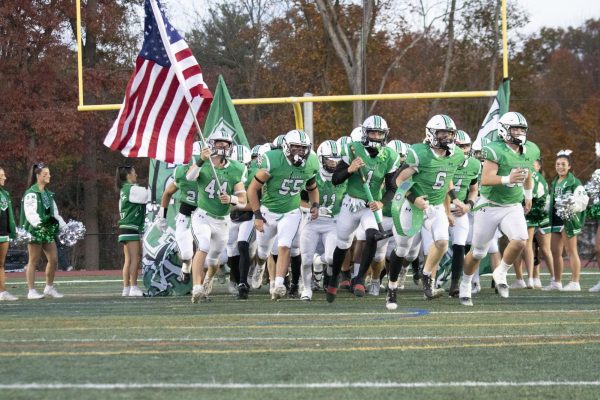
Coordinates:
<point>197,288</point>
<point>271,284</point>
<point>356,269</point>
<point>505,267</point>
<point>467,279</point>
<point>279,281</point>
<point>393,285</point>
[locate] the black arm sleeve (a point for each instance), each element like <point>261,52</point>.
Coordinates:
<point>304,196</point>
<point>340,174</point>
<point>390,186</point>
<point>474,181</point>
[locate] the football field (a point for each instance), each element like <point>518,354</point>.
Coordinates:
<point>94,344</point>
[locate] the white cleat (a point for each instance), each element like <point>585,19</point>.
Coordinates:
<point>475,287</point>
<point>595,288</point>
<point>208,286</point>
<point>135,291</point>
<point>374,288</point>
<point>464,294</point>
<point>537,283</point>
<point>278,292</point>
<point>125,292</point>
<point>5,296</point>
<point>34,295</point>
<point>197,293</point>
<point>51,292</point>
<point>306,295</point>
<point>500,278</point>
<point>232,287</point>
<point>553,286</point>
<point>572,287</point>
<point>518,284</point>
<point>257,277</point>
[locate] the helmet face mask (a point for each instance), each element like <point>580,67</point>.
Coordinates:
<point>440,132</point>
<point>296,146</point>
<point>329,155</point>
<point>374,132</point>
<point>220,143</point>
<point>512,128</point>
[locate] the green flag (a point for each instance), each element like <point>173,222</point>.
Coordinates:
<point>222,116</point>
<point>489,128</point>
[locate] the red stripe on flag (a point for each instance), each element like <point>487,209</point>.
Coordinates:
<point>157,86</point>
<point>163,117</point>
<point>183,54</point>
<point>138,95</point>
<point>179,118</point>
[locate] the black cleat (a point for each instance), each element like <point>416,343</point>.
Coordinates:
<point>453,291</point>
<point>428,289</point>
<point>243,290</point>
<point>330,294</point>
<point>293,291</point>
<point>390,301</point>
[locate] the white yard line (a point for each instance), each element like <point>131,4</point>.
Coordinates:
<point>296,338</point>
<point>310,385</point>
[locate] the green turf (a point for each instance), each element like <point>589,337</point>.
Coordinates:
<point>93,336</point>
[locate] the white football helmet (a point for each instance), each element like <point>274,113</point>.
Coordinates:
<point>329,151</point>
<point>399,147</point>
<point>220,136</point>
<point>343,142</point>
<point>296,137</point>
<point>512,120</point>
<point>377,124</point>
<point>356,134</point>
<point>254,151</point>
<point>241,153</point>
<point>278,142</point>
<point>442,123</point>
<point>463,139</point>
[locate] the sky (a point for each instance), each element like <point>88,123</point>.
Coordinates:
<point>551,13</point>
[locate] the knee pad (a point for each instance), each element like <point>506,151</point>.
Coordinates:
<point>478,253</point>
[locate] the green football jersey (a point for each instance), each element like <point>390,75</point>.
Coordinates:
<point>131,214</point>
<point>433,173</point>
<point>208,190</point>
<point>187,190</point>
<point>281,192</point>
<point>470,169</point>
<point>331,195</point>
<point>507,159</point>
<point>375,169</point>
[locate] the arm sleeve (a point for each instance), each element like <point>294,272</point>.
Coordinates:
<point>340,174</point>
<point>61,221</point>
<point>30,205</point>
<point>192,174</point>
<point>390,186</point>
<point>139,195</point>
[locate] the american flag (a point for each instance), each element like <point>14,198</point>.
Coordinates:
<point>155,120</point>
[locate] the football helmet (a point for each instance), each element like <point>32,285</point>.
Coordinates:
<point>356,134</point>
<point>399,147</point>
<point>220,136</point>
<point>299,138</point>
<point>254,151</point>
<point>374,123</point>
<point>278,142</point>
<point>512,120</point>
<point>241,153</point>
<point>461,139</point>
<point>436,124</point>
<point>328,153</point>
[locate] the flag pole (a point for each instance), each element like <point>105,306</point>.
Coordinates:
<point>165,38</point>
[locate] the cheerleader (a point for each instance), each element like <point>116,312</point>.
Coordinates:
<point>564,233</point>
<point>7,231</point>
<point>132,211</point>
<point>40,217</point>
